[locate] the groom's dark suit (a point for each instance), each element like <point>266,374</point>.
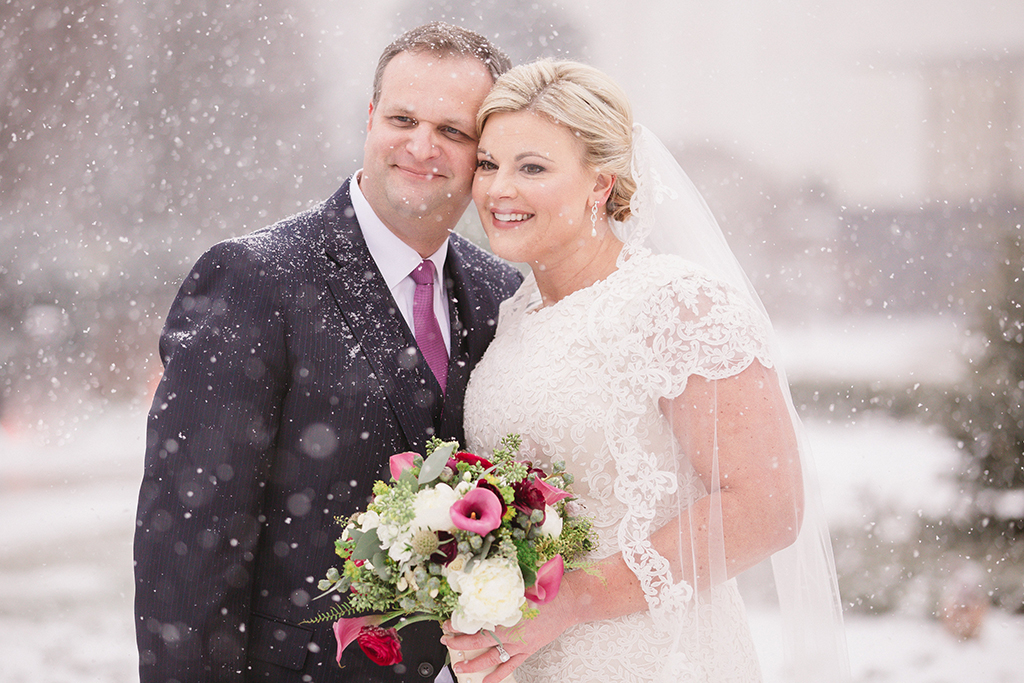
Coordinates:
<point>290,377</point>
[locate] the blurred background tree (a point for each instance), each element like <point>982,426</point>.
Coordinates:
<point>988,417</point>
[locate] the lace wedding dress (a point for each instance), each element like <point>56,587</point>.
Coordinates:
<point>580,381</point>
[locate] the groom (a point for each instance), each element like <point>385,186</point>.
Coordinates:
<point>297,359</point>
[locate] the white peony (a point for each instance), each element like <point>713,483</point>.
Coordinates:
<point>490,595</point>
<point>433,508</point>
<point>552,525</point>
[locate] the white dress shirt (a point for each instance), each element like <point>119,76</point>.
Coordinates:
<point>396,260</point>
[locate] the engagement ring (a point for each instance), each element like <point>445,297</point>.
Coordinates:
<point>502,654</point>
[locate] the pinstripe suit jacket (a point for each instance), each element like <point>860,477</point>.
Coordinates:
<point>289,379</point>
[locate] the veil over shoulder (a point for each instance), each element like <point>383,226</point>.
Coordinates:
<point>669,216</point>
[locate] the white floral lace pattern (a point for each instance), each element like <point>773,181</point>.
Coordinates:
<point>581,381</point>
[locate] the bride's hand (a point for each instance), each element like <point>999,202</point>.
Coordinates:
<point>520,641</point>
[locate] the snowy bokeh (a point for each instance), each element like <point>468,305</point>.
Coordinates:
<point>865,160</point>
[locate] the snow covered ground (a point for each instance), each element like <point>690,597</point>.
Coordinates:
<point>66,522</point>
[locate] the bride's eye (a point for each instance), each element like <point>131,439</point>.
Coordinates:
<point>533,169</point>
<point>485,165</point>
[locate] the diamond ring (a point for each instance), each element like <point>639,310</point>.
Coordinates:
<point>502,654</point>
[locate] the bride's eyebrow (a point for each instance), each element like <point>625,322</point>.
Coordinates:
<point>519,157</point>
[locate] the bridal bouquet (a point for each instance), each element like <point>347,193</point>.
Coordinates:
<point>480,541</point>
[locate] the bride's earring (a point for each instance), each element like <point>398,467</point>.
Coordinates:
<point>593,221</point>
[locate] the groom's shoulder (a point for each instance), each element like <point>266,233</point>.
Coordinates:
<point>292,241</point>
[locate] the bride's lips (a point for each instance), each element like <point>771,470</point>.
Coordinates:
<point>508,218</point>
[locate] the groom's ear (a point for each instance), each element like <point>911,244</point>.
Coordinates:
<point>369,117</point>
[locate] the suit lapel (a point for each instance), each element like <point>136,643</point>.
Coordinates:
<point>381,333</point>
<point>460,307</point>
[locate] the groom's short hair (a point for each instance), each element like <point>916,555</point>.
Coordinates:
<point>443,40</point>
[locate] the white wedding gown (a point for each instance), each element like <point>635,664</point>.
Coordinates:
<point>580,381</point>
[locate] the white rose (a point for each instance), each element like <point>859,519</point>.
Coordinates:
<point>552,525</point>
<point>455,565</point>
<point>432,507</point>
<point>490,595</point>
<point>369,520</point>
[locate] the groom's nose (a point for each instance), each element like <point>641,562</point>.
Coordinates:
<point>421,143</point>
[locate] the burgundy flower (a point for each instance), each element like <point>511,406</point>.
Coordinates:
<point>380,645</point>
<point>478,511</point>
<point>529,497</point>
<point>549,580</point>
<point>447,548</point>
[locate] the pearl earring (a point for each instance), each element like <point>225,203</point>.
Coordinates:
<point>593,221</point>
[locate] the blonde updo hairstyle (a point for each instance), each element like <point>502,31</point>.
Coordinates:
<point>584,100</point>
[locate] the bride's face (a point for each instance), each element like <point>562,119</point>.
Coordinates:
<point>532,189</point>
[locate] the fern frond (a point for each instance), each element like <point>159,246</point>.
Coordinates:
<point>336,612</point>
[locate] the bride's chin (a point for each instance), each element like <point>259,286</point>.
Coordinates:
<point>504,248</point>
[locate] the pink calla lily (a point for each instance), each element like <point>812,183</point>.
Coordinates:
<point>347,630</point>
<point>549,580</point>
<point>551,494</point>
<point>400,462</point>
<point>478,511</point>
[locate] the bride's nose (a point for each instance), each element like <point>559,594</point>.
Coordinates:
<point>502,186</point>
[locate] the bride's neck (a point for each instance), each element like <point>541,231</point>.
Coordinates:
<point>555,282</point>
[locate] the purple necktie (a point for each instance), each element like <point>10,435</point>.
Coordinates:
<point>428,333</point>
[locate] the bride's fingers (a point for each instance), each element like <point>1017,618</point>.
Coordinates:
<point>464,641</point>
<point>504,670</point>
<point>486,659</point>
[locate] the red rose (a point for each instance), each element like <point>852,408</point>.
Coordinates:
<point>462,456</point>
<point>380,645</point>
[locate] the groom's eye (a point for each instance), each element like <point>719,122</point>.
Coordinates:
<point>453,132</point>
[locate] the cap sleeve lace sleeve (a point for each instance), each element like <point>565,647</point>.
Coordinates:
<point>693,324</point>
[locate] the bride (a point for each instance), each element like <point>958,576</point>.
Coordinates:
<point>637,353</point>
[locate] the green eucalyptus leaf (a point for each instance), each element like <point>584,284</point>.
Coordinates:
<point>407,477</point>
<point>367,545</point>
<point>433,465</point>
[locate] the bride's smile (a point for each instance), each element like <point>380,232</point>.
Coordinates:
<point>534,192</point>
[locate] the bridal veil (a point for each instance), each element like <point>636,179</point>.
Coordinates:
<point>668,216</point>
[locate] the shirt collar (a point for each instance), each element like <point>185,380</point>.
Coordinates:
<point>394,258</point>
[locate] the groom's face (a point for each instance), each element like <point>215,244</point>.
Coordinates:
<point>420,150</point>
